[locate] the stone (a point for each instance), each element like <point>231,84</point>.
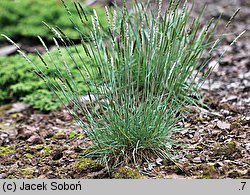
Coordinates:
<point>17,107</point>
<point>7,50</point>
<point>197,160</point>
<point>35,139</point>
<point>24,134</point>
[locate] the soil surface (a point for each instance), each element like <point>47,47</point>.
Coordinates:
<point>214,144</point>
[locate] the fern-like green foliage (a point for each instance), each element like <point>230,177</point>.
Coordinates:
<point>23,18</point>
<point>18,81</point>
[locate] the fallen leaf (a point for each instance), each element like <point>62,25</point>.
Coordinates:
<point>223,125</point>
<point>159,161</point>
<point>197,160</point>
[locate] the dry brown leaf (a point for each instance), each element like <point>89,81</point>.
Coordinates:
<point>223,125</point>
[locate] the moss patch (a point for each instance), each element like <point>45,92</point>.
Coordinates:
<point>172,169</point>
<point>47,151</point>
<point>60,135</point>
<point>208,172</point>
<point>37,147</point>
<point>86,164</point>
<point>26,173</point>
<point>6,150</point>
<point>127,173</point>
<point>29,156</point>
<point>229,151</point>
<point>203,171</point>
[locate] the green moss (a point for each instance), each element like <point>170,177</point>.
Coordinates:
<point>37,147</point>
<point>185,109</point>
<point>234,174</point>
<point>127,173</point>
<point>172,168</point>
<point>208,172</point>
<point>231,144</point>
<point>59,135</point>
<point>203,171</point>
<point>47,151</point>
<point>88,150</point>
<point>15,115</point>
<point>237,121</point>
<point>200,119</point>
<point>28,156</point>
<point>85,164</point>
<point>229,150</point>
<point>26,171</point>
<point>199,147</point>
<point>26,147</point>
<point>6,150</point>
<point>12,177</point>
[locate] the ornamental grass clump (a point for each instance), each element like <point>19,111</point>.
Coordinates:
<point>145,65</point>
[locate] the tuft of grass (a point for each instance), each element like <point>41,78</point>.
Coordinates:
<point>146,65</point>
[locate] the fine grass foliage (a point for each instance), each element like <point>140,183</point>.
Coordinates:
<point>147,61</point>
